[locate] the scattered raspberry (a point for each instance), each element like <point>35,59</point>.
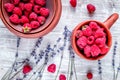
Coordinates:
<point>16,2</point>
<point>91,8</point>
<point>33,16</point>
<point>99,33</point>
<point>41,20</point>
<point>62,77</point>
<point>14,19</point>
<point>73,3</point>
<point>21,6</point>
<point>87,31</point>
<point>28,7</point>
<point>37,9</point>
<point>95,50</point>
<point>9,7</point>
<point>100,42</point>
<point>104,49</point>
<point>17,11</point>
<point>90,40</point>
<point>89,75</point>
<point>26,69</point>
<point>87,50</point>
<point>51,68</point>
<point>94,26</point>
<point>82,42</point>
<point>44,12</point>
<point>40,2</point>
<point>79,33</point>
<point>34,24</point>
<point>24,19</point>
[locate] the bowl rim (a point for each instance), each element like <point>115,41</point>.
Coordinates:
<point>43,32</point>
<point>74,46</point>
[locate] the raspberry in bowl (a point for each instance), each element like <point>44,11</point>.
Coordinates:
<point>92,39</point>
<point>30,18</point>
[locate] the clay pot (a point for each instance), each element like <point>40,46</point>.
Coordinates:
<point>55,8</point>
<point>106,25</point>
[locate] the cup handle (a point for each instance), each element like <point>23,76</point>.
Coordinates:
<point>111,20</point>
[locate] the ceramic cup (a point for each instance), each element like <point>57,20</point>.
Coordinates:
<point>55,8</point>
<point>106,25</point>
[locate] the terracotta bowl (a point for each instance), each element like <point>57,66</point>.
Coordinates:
<point>106,25</point>
<point>55,12</point>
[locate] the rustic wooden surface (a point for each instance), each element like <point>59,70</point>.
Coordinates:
<point>70,17</point>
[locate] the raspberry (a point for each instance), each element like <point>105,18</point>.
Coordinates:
<point>33,16</point>
<point>41,20</point>
<point>27,13</point>
<point>17,11</point>
<point>95,50</point>
<point>44,12</point>
<point>100,42</point>
<point>82,42</point>
<point>79,33</point>
<point>89,75</point>
<point>87,51</point>
<point>40,2</point>
<point>90,40</point>
<point>16,2</point>
<point>51,68</point>
<point>37,9</point>
<point>14,19</point>
<point>87,31</point>
<point>99,33</point>
<point>26,69</point>
<point>104,49</point>
<point>9,7</point>
<point>28,7</point>
<point>27,24</point>
<point>21,6</point>
<point>34,24</point>
<point>91,8</point>
<point>24,19</point>
<point>94,26</point>
<point>73,3</point>
<point>62,77</point>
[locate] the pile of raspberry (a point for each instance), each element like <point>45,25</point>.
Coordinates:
<point>31,14</point>
<point>92,40</point>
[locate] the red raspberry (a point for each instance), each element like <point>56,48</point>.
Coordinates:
<point>41,20</point>
<point>44,12</point>
<point>91,8</point>
<point>16,2</point>
<point>73,3</point>
<point>26,69</point>
<point>82,42</point>
<point>79,33</point>
<point>9,7</point>
<point>37,9</point>
<point>87,51</point>
<point>33,16</point>
<point>17,11</point>
<point>40,2</point>
<point>27,13</point>
<point>89,75</point>
<point>62,77</point>
<point>21,6</point>
<point>95,50</point>
<point>28,7</point>
<point>90,40</point>
<point>27,24</point>
<point>34,24</point>
<point>99,33</point>
<point>87,31</point>
<point>51,68</point>
<point>24,19</point>
<point>100,42</point>
<point>14,19</point>
<point>104,49</point>
<point>94,26</point>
